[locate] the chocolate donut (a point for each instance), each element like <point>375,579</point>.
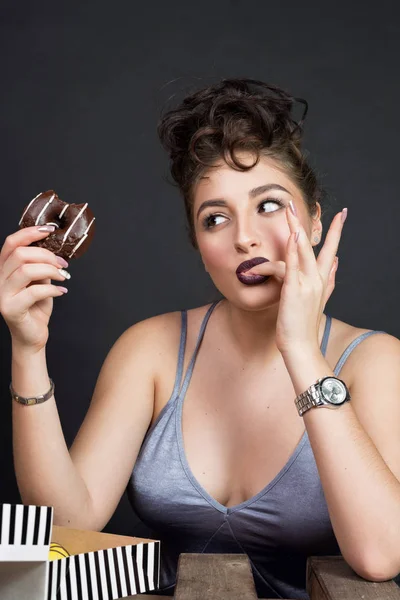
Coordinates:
<point>74,224</point>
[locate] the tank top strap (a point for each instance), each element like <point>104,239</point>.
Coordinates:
<point>181,354</point>
<point>350,349</point>
<point>325,338</point>
<point>190,368</point>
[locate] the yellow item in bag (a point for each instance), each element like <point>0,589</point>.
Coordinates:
<point>56,551</point>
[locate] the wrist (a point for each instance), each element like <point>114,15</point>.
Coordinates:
<point>29,375</point>
<point>301,352</point>
<point>305,365</point>
<point>23,352</point>
<point>32,399</point>
<point>327,392</point>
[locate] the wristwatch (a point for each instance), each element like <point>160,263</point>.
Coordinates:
<point>328,392</point>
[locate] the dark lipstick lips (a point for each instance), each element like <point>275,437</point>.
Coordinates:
<point>246,266</point>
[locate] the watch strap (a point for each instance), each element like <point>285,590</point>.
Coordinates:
<point>308,399</point>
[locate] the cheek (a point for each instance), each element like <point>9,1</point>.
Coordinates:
<point>281,244</point>
<point>213,256</point>
<point>274,239</point>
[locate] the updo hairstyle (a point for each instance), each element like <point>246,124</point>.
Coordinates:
<point>229,117</point>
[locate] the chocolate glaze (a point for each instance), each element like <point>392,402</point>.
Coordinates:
<point>74,224</point>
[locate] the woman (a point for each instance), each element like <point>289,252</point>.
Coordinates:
<point>226,464</point>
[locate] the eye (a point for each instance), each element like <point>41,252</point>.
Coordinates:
<point>271,201</point>
<point>211,221</point>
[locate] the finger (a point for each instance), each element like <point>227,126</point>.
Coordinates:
<point>329,250</point>
<point>331,281</point>
<point>306,255</point>
<point>28,273</point>
<point>291,217</point>
<point>31,254</point>
<point>273,268</point>
<point>22,237</point>
<point>46,281</point>
<point>30,296</point>
<point>292,261</point>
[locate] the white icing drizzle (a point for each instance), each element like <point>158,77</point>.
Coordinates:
<point>63,211</point>
<point>44,208</point>
<point>77,246</point>
<point>78,216</point>
<point>27,208</point>
<point>85,235</point>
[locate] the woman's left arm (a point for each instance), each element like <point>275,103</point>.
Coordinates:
<point>357,445</point>
<point>357,451</point>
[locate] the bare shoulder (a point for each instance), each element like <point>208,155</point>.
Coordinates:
<point>159,335</point>
<point>372,350</point>
<point>152,336</point>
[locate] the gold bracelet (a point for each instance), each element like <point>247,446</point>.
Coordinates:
<point>33,399</point>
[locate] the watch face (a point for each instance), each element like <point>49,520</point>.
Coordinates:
<point>333,390</point>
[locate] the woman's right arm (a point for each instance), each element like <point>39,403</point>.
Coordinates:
<point>86,482</point>
<point>44,470</point>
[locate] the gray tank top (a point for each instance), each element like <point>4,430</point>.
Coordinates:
<point>278,528</point>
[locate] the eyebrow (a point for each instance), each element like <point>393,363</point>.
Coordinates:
<point>252,194</point>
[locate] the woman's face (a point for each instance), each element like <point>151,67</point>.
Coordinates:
<point>239,215</point>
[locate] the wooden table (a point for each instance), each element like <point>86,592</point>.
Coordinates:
<point>229,576</point>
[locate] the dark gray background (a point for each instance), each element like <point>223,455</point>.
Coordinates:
<point>81,91</point>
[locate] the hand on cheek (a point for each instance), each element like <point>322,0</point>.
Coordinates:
<point>307,285</point>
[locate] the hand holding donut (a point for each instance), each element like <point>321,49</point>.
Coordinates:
<point>28,263</point>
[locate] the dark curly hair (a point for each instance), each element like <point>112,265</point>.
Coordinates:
<point>231,116</point>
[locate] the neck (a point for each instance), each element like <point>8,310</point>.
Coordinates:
<point>252,333</point>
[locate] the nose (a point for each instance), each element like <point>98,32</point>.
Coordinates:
<point>246,236</point>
